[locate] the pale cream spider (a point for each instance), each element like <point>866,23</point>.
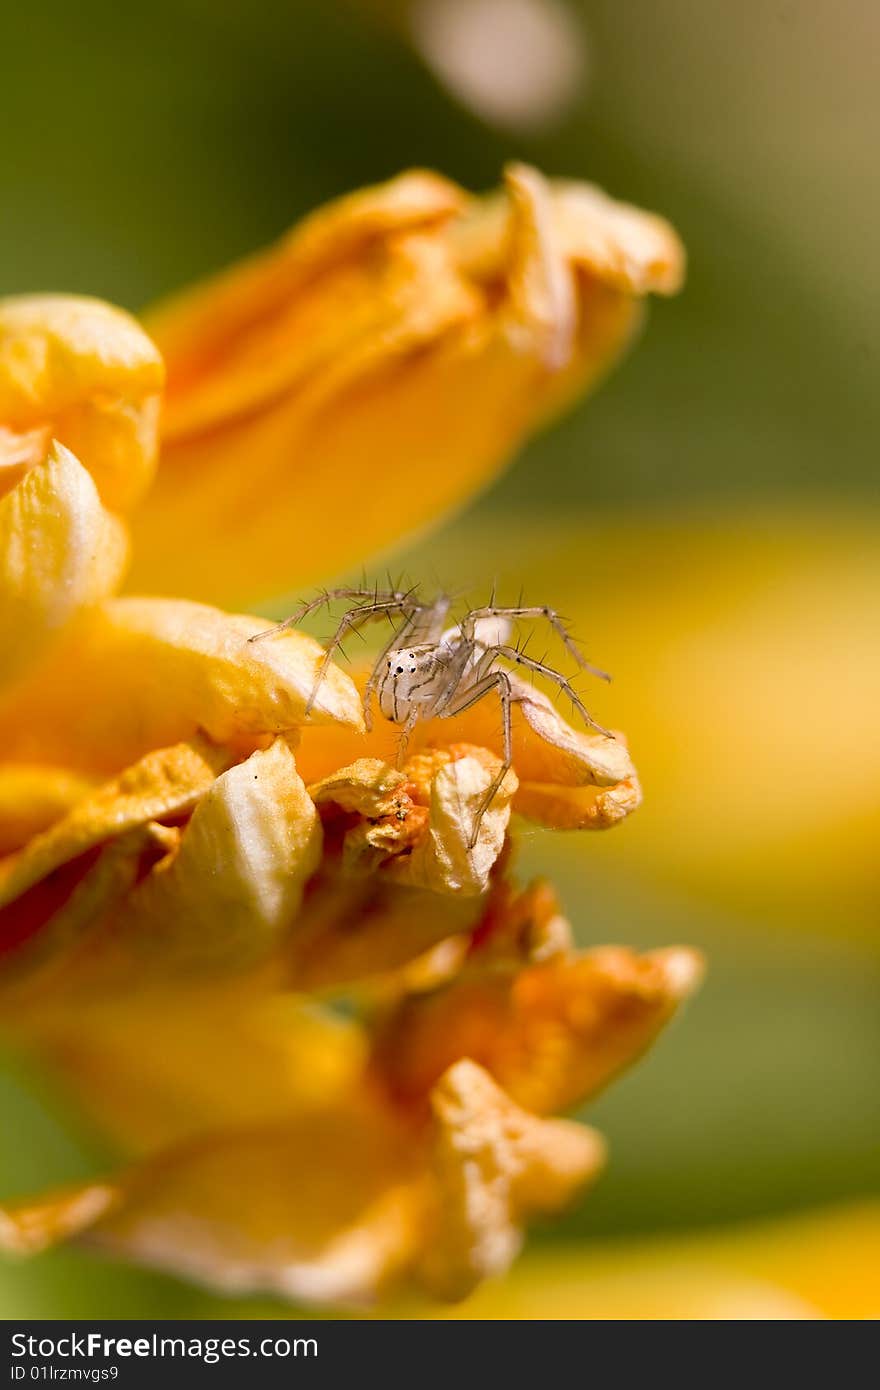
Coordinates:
<point>429,671</point>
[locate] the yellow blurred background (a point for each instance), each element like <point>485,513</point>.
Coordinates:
<point>709,521</point>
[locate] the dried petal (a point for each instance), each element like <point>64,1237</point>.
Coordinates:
<point>552,1034</point>
<point>442,860</point>
<point>166,783</point>
<point>494,1165</point>
<point>234,885</point>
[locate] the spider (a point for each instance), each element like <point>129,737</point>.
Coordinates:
<point>430,671</point>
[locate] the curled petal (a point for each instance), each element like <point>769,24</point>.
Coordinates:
<point>87,374</point>
<point>151,672</point>
<point>61,923</point>
<point>443,859</point>
<point>494,1165</point>
<point>386,820</point>
<point>368,787</point>
<point>624,246</point>
<point>166,783</point>
<point>233,886</point>
<point>567,778</point>
<point>61,552</point>
<point>552,1034</point>
<point>579,808</point>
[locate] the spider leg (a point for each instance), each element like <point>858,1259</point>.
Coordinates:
<point>511,654</point>
<point>327,596</point>
<point>351,622</point>
<point>501,682</point>
<point>403,741</point>
<point>550,615</point>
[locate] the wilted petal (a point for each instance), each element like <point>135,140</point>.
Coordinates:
<point>495,1165</point>
<point>552,1033</point>
<point>166,783</point>
<point>60,923</point>
<point>579,808</point>
<point>86,374</point>
<point>152,672</point>
<point>233,887</point>
<point>61,552</point>
<point>568,779</point>
<point>442,859</point>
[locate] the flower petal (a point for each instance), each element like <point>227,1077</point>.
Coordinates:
<point>494,1165</point>
<point>29,1227</point>
<point>166,783</point>
<point>326,1209</point>
<point>443,859</point>
<point>552,1034</point>
<point>234,885</point>
<point>88,373</point>
<point>60,553</point>
<point>151,672</point>
<point>32,797</point>
<point>217,339</point>
<point>408,335</point>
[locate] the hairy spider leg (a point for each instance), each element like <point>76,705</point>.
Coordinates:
<point>501,682</point>
<point>326,597</point>
<point>468,624</point>
<point>511,654</point>
<point>352,621</point>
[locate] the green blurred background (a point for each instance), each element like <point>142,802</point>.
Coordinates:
<point>711,518</point>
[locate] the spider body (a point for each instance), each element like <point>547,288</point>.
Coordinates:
<point>430,671</point>
<point>415,678</point>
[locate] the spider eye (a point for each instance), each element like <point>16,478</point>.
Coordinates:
<point>400,670</point>
<point>412,670</point>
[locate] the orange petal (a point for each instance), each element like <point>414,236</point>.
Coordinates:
<point>393,345</point>
<point>166,783</point>
<point>60,553</point>
<point>494,1166</point>
<point>151,672</point>
<point>88,374</point>
<point>551,1034</point>
<point>325,1209</point>
<point>234,885</point>
<point>443,859</point>
<point>32,797</point>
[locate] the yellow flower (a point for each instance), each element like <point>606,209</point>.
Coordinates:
<point>196,871</point>
<point>391,352</point>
